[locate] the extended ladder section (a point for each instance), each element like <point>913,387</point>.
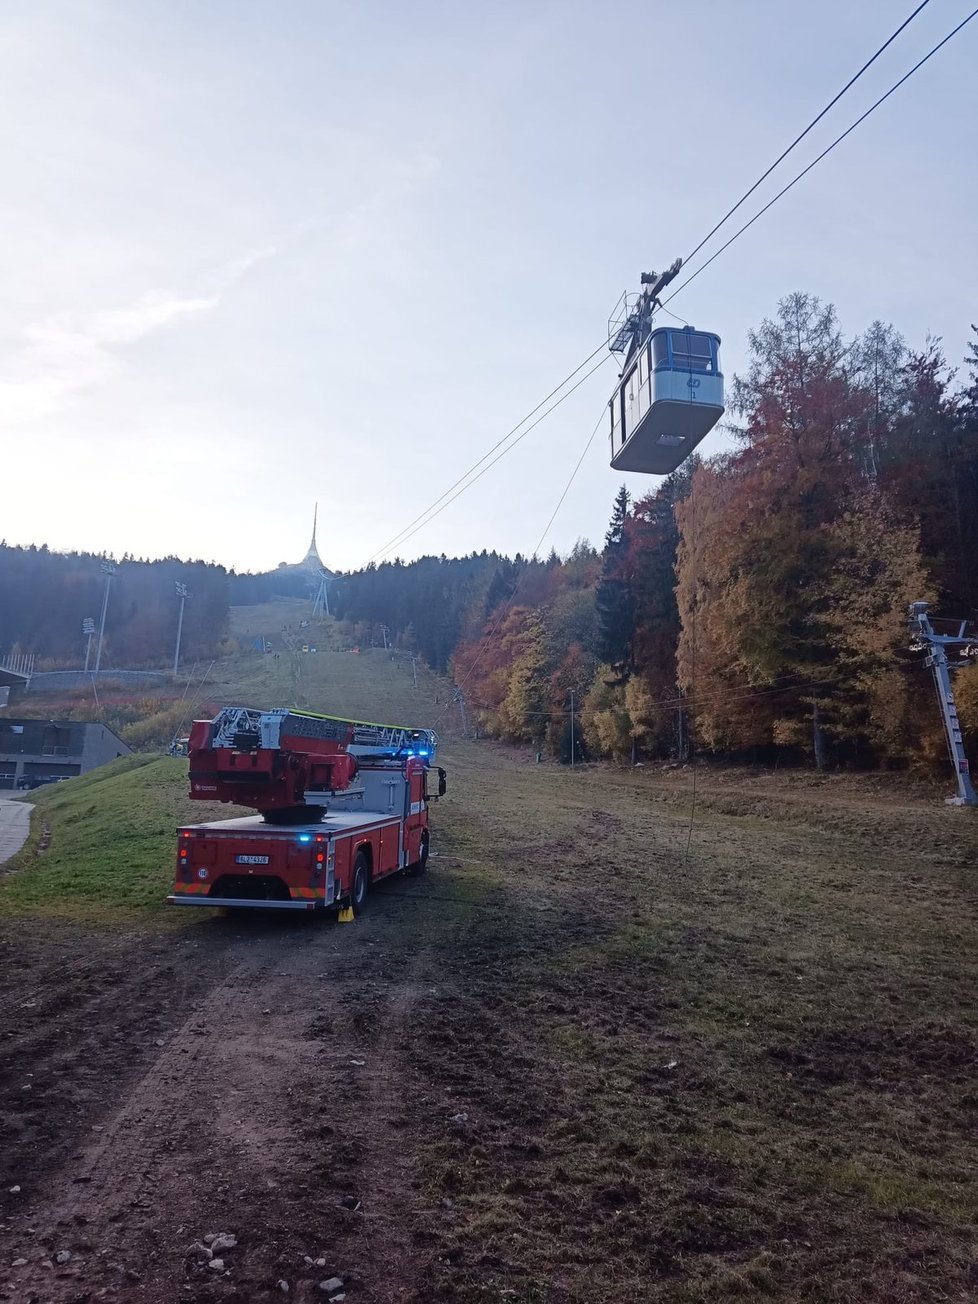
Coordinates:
<point>270,760</point>
<point>240,726</point>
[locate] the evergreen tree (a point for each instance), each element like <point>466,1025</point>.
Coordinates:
<point>615,598</point>
<point>653,535</point>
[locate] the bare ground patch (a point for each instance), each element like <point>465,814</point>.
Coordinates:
<point>569,1065</point>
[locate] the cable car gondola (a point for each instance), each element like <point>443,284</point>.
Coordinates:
<point>671,390</point>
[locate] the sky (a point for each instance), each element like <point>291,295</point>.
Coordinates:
<point>259,254</point>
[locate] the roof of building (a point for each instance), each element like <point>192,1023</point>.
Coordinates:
<point>21,720</point>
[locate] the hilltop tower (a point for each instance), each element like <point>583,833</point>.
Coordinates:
<point>311,572</point>
<point>312,561</point>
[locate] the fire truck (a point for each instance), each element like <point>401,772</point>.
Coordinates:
<point>340,804</point>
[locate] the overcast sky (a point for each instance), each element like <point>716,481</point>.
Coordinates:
<point>262,252</point>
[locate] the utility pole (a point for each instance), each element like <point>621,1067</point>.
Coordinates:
<point>183,594</point>
<point>937,645</point>
<point>108,569</point>
<point>88,629</point>
<point>414,667</point>
<point>461,709</point>
<point>572,727</point>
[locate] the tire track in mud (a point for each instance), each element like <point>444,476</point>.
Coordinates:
<point>368,1171</point>
<point>147,1158</point>
<point>387,1178</point>
<point>77,1012</point>
<point>260,1115</point>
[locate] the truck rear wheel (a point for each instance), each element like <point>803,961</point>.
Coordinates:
<point>421,864</point>
<point>361,882</point>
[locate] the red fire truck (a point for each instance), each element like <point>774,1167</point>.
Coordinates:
<point>339,805</point>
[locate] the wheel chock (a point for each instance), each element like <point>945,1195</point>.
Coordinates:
<point>346,915</point>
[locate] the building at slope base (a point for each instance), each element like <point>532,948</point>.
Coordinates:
<point>39,751</point>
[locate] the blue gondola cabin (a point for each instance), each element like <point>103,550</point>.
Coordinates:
<point>669,398</point>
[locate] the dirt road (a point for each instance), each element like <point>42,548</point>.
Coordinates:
<point>568,1065</point>
<point>242,1077</point>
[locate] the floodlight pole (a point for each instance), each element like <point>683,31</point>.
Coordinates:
<point>88,629</point>
<point>108,569</point>
<point>182,594</point>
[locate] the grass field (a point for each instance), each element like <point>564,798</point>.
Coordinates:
<point>102,846</point>
<point>572,1064</point>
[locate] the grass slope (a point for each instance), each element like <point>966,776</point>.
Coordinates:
<point>110,833</point>
<point>111,841</point>
<point>746,1073</point>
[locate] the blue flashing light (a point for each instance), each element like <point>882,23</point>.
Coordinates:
<point>305,837</point>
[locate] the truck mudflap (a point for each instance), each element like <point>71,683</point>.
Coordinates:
<point>244,903</point>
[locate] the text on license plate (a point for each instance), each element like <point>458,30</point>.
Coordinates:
<point>251,860</point>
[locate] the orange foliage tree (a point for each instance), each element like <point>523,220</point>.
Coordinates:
<point>777,551</point>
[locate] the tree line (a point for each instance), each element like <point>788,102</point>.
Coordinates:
<point>45,596</point>
<point>753,604</point>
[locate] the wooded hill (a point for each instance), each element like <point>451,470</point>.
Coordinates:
<point>756,601</point>
<point>45,596</point>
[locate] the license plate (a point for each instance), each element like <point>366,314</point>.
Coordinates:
<point>251,860</point>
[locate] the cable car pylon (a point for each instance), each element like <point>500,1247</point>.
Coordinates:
<point>936,646</point>
<point>670,394</point>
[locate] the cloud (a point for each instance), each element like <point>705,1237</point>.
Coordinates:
<point>70,353</point>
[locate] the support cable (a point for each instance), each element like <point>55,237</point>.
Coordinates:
<point>420,520</point>
<point>828,150</point>
<point>799,138</point>
<point>429,515</point>
<point>507,606</point>
<point>503,446</point>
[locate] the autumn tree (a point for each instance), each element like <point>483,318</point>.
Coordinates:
<point>756,554</point>
<point>607,723</point>
<point>876,572</point>
<point>523,711</point>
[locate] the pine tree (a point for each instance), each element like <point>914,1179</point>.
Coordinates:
<point>653,535</point>
<point>615,599</point>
